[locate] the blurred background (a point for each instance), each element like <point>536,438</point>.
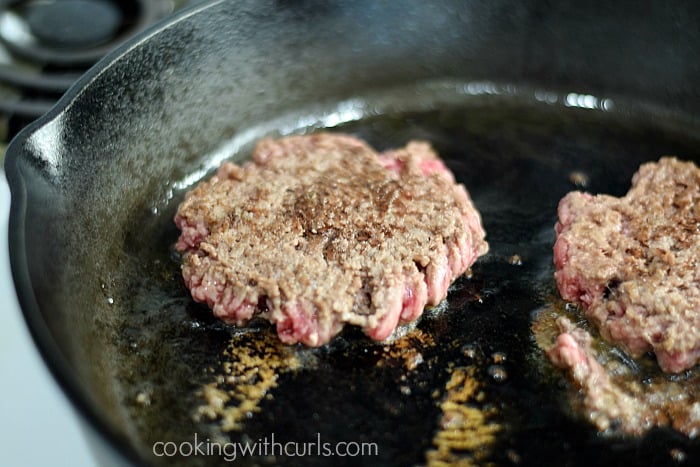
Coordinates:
<point>45,45</point>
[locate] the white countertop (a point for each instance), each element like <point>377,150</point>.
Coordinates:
<point>38,426</point>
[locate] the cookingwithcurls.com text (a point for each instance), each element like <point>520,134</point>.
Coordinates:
<point>264,447</point>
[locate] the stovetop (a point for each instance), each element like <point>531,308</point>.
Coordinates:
<point>45,45</point>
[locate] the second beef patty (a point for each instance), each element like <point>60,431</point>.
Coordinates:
<point>632,262</point>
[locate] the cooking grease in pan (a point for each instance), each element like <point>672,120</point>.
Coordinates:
<point>469,382</point>
<point>631,395</point>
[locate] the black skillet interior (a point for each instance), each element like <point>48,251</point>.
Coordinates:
<point>95,183</point>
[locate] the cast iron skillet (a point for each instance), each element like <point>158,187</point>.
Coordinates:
<point>516,96</point>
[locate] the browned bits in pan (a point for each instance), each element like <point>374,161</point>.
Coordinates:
<point>252,365</point>
<point>578,178</point>
<point>466,432</point>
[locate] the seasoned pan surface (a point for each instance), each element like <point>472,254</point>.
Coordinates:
<point>468,382</point>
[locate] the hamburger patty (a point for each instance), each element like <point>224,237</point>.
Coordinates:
<point>320,231</point>
<point>632,262</point>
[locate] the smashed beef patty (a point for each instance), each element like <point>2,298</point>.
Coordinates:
<point>320,231</point>
<point>632,262</point>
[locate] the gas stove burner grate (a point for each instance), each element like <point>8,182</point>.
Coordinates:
<point>45,45</point>
<point>73,32</point>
